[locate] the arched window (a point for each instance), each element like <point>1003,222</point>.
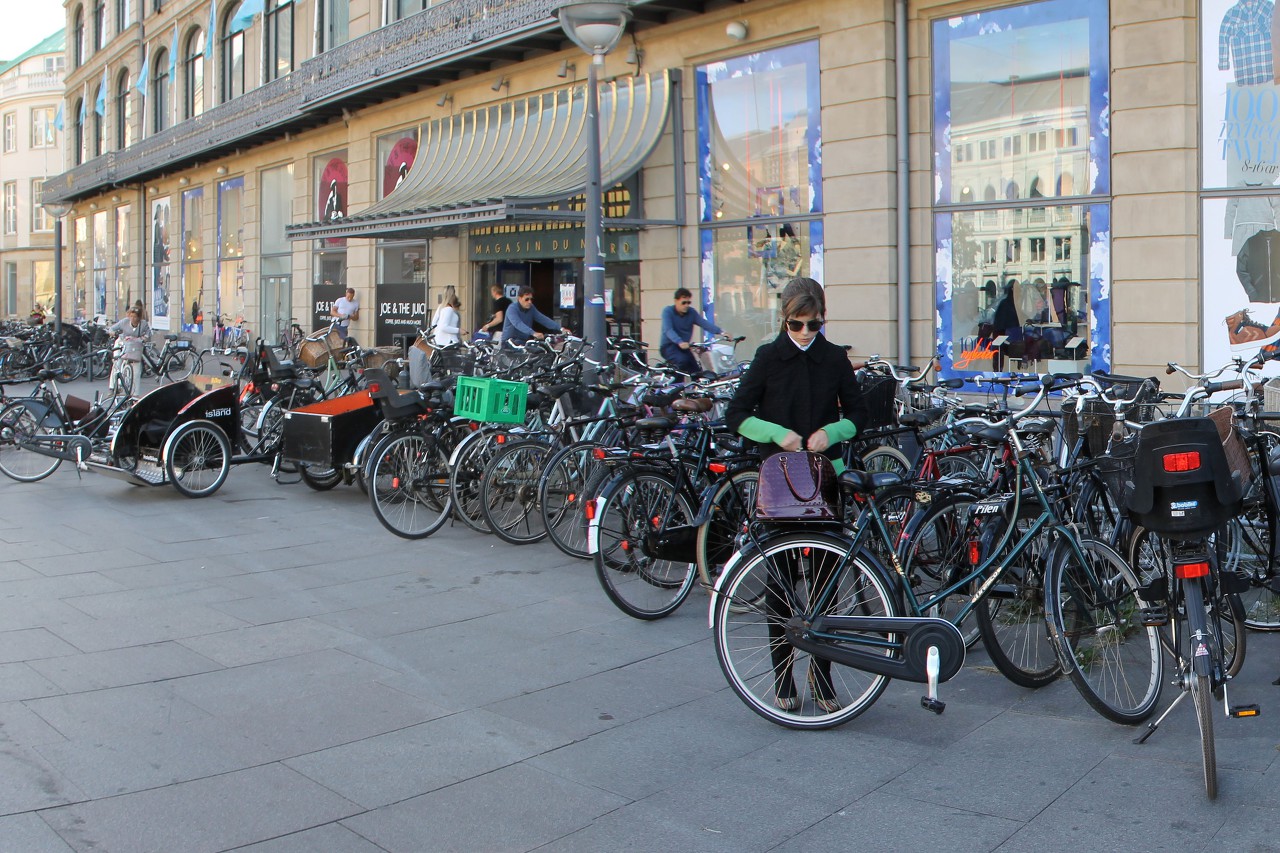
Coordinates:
<point>159,93</point>
<point>100,120</point>
<point>1066,184</point>
<point>193,74</point>
<point>989,194</point>
<point>77,132</point>
<point>232,59</point>
<point>122,15</point>
<point>124,112</point>
<point>278,39</point>
<point>99,24</point>
<point>1011,191</point>
<point>77,38</point>
<point>1035,191</point>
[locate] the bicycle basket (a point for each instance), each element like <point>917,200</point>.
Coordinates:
<point>1116,469</point>
<point>879,392</point>
<point>1184,486</point>
<point>1096,418</point>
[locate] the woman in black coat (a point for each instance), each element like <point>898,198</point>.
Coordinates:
<point>799,393</point>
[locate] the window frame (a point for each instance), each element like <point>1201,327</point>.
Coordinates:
<point>193,66</point>
<point>10,122</point>
<point>41,221</point>
<point>48,139</point>
<point>124,110</point>
<point>229,44</point>
<point>277,27</point>
<point>99,25</point>
<point>159,92</point>
<point>9,200</point>
<point>78,36</point>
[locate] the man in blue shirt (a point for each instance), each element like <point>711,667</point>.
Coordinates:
<point>678,320</point>
<point>521,320</point>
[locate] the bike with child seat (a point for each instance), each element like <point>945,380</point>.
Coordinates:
<point>793,602</point>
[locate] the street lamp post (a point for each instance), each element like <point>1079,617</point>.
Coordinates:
<point>595,27</point>
<point>57,209</point>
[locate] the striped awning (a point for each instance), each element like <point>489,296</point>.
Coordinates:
<point>502,161</point>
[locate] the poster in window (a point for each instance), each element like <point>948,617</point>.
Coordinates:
<point>160,258</point>
<point>399,161</point>
<point>331,195</point>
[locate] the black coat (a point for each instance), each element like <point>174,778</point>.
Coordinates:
<point>802,390</point>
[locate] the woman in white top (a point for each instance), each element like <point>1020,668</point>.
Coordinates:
<point>447,321</point>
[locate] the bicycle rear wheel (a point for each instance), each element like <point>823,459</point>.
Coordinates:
<point>1011,616</point>
<point>1201,681</point>
<point>642,578</point>
<point>465,470</point>
<point>757,599</point>
<point>934,554</point>
<point>20,421</point>
<point>180,364</point>
<point>509,492</point>
<point>1096,623</point>
<point>731,505</point>
<point>562,499</point>
<point>409,485</point>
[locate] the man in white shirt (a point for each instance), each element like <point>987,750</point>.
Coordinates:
<point>346,309</point>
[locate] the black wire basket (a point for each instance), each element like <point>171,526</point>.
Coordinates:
<point>879,393</point>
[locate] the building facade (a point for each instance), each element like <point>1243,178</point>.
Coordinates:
<point>30,151</point>
<point>1066,184</point>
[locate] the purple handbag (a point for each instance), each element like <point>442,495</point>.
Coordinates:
<point>799,486</point>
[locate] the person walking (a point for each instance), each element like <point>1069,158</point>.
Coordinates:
<point>346,309</point>
<point>447,322</point>
<point>522,319</point>
<point>501,303</point>
<point>800,393</point>
<point>678,320</point>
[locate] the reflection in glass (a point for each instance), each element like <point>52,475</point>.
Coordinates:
<point>191,311</point>
<point>751,266</point>
<point>1008,314</point>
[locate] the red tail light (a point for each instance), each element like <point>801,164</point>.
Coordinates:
<point>590,508</point>
<point>499,439</point>
<point>374,387</point>
<point>975,553</point>
<point>598,453</point>
<point>717,467</point>
<point>1186,461</point>
<point>1191,570</point>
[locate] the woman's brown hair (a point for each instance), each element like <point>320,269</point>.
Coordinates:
<point>803,296</point>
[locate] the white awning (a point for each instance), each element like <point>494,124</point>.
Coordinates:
<point>498,162</point>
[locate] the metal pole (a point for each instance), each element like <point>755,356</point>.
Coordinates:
<point>57,278</point>
<point>902,112</point>
<point>593,319</point>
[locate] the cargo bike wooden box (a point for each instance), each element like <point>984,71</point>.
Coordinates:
<point>180,434</point>
<point>328,439</point>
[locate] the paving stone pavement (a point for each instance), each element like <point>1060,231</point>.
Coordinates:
<point>269,670</point>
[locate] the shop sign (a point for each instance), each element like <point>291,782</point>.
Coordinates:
<point>322,298</point>
<point>402,310</point>
<point>535,244</point>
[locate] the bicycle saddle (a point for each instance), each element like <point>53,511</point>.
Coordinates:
<point>44,375</point>
<point>865,482</point>
<point>685,404</point>
<point>660,422</point>
<point>170,337</point>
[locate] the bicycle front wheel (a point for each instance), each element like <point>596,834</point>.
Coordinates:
<point>1095,619</point>
<point>20,422</point>
<point>638,560</point>
<point>800,575</point>
<point>179,365</point>
<point>731,505</point>
<point>1201,682</point>
<point>562,497</point>
<point>409,485</point>
<point>509,492</point>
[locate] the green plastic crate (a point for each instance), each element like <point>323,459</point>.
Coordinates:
<point>494,401</point>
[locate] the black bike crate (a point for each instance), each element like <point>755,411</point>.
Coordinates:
<point>1184,487</point>
<point>879,393</point>
<point>325,434</point>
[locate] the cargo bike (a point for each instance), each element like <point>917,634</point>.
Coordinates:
<point>181,434</point>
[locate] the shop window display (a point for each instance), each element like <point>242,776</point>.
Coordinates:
<point>1028,85</point>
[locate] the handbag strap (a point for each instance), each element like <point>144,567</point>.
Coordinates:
<point>817,485</point>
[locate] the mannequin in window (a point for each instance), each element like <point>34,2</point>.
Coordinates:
<point>333,206</point>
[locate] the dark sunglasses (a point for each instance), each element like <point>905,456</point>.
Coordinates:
<point>685,302</point>
<point>813,325</point>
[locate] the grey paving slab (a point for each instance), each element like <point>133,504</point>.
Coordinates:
<point>259,643</point>
<point>200,570</point>
<point>403,764</point>
<point>151,626</point>
<point>1248,827</point>
<point>134,601</point>
<point>21,681</point>
<point>99,560</point>
<point>404,615</point>
<point>32,644</point>
<point>330,838</point>
<point>32,783</point>
<point>127,762</point>
<point>22,726</point>
<point>122,667</point>
<point>29,834</point>
<point>891,824</point>
<point>639,827</point>
<point>211,814</point>
<point>503,810</point>
<point>13,570</point>
<point>117,711</point>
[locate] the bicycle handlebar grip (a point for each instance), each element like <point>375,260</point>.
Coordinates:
<point>1169,370</point>
<point>1229,385</point>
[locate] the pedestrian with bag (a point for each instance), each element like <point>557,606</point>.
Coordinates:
<point>800,393</point>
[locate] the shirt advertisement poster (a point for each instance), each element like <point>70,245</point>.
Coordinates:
<point>1241,152</point>
<point>160,258</point>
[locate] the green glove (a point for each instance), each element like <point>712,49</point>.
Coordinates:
<point>762,431</point>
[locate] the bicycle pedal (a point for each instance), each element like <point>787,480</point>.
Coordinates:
<point>1251,710</point>
<point>1153,617</point>
<point>937,706</point>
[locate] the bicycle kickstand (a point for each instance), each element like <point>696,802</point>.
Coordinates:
<point>1151,727</point>
<point>80,464</point>
<point>932,666</point>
